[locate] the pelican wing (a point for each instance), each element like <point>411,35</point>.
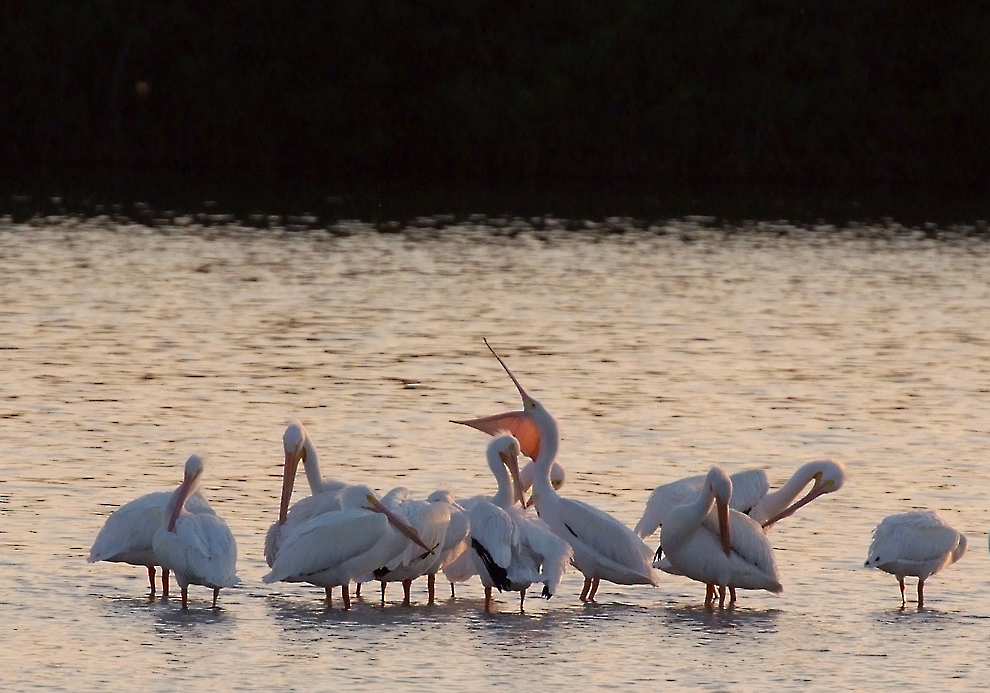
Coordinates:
<point>751,545</point>
<point>430,521</point>
<point>586,528</point>
<point>493,529</point>
<point>330,540</point>
<point>663,499</point>
<point>552,552</point>
<point>748,487</point>
<point>130,528</point>
<point>201,547</point>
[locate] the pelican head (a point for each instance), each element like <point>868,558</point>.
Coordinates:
<point>828,476</point>
<point>532,427</point>
<point>720,485</point>
<point>190,481</point>
<point>504,450</point>
<point>294,444</point>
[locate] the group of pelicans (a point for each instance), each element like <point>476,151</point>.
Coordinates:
<point>712,528</point>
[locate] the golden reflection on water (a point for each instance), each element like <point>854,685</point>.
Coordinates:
<point>660,354</point>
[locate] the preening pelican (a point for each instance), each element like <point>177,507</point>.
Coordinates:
<point>333,548</point>
<point>603,547</point>
<point>198,547</point>
<point>429,521</point>
<point>730,551</point>
<point>918,543</point>
<point>298,446</point>
<point>127,534</point>
<point>748,488</point>
<point>750,495</point>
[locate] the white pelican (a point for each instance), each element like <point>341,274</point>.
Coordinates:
<point>298,446</point>
<point>732,551</point>
<point>604,548</point>
<point>333,548</point>
<point>510,548</point>
<point>127,533</point>
<point>198,547</point>
<point>429,520</point>
<point>917,543</point>
<point>750,495</point>
<point>455,541</point>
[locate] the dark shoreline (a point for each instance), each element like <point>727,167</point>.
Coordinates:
<point>246,200</point>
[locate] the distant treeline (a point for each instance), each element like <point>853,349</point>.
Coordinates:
<point>882,94</point>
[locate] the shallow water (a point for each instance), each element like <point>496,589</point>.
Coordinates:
<point>659,351</point>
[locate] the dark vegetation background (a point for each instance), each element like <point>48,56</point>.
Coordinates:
<point>644,97</point>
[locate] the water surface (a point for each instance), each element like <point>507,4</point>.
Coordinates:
<point>660,351</point>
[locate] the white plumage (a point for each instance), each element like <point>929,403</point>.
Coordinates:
<point>510,548</point>
<point>128,532</point>
<point>198,547</point>
<point>723,549</point>
<point>333,548</point>
<point>603,548</point>
<point>430,521</point>
<point>918,543</point>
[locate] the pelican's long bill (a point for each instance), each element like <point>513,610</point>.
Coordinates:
<point>397,522</point>
<point>288,480</point>
<point>820,488</point>
<point>180,495</point>
<point>511,461</point>
<point>519,423</point>
<point>723,525</point>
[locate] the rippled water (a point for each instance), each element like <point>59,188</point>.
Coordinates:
<point>659,351</point>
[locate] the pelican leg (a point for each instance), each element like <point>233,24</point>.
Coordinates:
<point>921,593</point>
<point>185,597</point>
<point>522,600</point>
<point>383,592</point>
<point>329,593</point>
<point>900,580</point>
<point>164,583</point>
<point>594,589</point>
<point>587,587</point>
<point>151,578</point>
<point>451,590</point>
<point>721,596</point>
<point>406,586</point>
<point>431,587</point>
<point>345,595</point>
<point>732,595</point>
<point>357,590</point>
<point>488,600</point>
<point>216,594</point>
<point>709,596</point>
